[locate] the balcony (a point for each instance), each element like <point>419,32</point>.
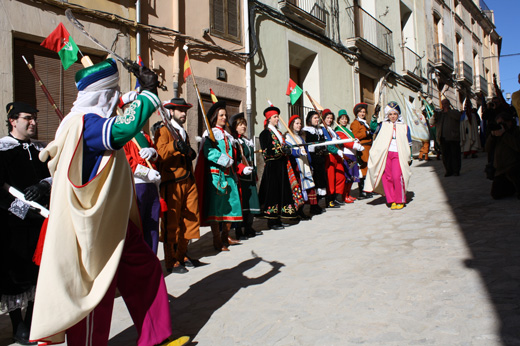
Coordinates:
<point>464,73</point>
<point>412,68</point>
<point>298,109</point>
<point>305,12</point>
<point>443,58</point>
<point>369,36</point>
<point>481,85</point>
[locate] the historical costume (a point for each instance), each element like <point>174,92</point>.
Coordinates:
<point>141,156</point>
<point>247,176</point>
<point>361,130</point>
<point>390,158</point>
<point>181,222</point>
<point>21,169</point>
<point>280,194</point>
<point>218,190</point>
<point>92,246</point>
<point>314,133</point>
<point>350,149</point>
<point>301,166</point>
<point>334,164</point>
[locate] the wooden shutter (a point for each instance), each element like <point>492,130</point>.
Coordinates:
<point>232,17</point>
<point>218,17</point>
<point>60,83</point>
<point>225,19</point>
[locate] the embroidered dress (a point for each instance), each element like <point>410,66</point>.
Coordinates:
<point>223,199</point>
<point>280,194</point>
<point>302,162</point>
<point>351,165</point>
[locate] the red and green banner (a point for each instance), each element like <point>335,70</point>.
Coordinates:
<point>293,91</point>
<point>62,43</point>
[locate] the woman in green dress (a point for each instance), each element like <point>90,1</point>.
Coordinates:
<point>222,200</point>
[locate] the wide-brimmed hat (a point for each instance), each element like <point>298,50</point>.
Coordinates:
<point>177,102</point>
<point>212,113</point>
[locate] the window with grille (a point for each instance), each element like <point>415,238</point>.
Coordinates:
<point>225,19</point>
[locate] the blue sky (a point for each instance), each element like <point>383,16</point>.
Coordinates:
<point>508,26</point>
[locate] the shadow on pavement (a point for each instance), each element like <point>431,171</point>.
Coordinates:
<point>491,230</point>
<point>192,310</point>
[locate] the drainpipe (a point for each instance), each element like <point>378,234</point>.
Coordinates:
<point>245,11</point>
<point>176,55</point>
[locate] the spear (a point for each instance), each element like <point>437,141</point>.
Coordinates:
<point>44,88</point>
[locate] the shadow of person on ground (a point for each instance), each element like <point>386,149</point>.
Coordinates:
<point>192,310</point>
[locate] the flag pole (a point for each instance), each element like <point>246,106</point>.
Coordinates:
<point>206,120</point>
<point>44,88</point>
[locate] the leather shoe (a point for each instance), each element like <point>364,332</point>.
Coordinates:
<point>22,335</point>
<point>284,225</point>
<point>179,269</point>
<point>232,241</point>
<point>276,227</point>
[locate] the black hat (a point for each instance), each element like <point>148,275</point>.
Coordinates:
<point>269,109</point>
<point>309,117</point>
<point>212,113</point>
<point>177,102</point>
<point>14,108</point>
<point>235,117</point>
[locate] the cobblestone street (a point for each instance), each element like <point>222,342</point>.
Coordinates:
<point>445,270</point>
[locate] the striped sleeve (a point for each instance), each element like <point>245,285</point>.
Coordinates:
<point>126,126</point>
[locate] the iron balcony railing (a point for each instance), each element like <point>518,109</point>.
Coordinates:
<point>481,84</point>
<point>311,7</point>
<point>412,62</point>
<point>363,25</point>
<point>464,72</point>
<point>443,55</point>
<point>298,109</point>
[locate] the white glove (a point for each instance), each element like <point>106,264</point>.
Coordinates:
<point>153,176</point>
<point>340,153</point>
<point>247,170</point>
<point>127,98</point>
<point>358,146</point>
<point>147,153</point>
<point>230,163</point>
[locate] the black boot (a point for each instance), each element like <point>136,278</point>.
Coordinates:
<point>339,199</point>
<point>302,215</point>
<point>316,209</point>
<point>330,202</point>
<point>275,224</point>
<point>361,186</point>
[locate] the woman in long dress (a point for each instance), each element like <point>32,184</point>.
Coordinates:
<point>280,194</point>
<point>222,200</point>
<point>301,164</point>
<point>390,158</point>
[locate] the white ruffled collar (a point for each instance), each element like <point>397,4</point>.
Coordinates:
<point>313,130</point>
<point>9,142</point>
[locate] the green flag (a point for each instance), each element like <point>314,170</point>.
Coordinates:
<point>293,91</point>
<point>61,42</point>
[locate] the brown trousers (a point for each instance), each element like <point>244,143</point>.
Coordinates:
<point>181,221</point>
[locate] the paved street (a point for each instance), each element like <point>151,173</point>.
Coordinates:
<point>445,270</point>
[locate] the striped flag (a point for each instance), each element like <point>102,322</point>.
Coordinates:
<point>214,98</point>
<point>187,67</point>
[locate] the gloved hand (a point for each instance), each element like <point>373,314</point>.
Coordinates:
<point>377,109</point>
<point>147,78</point>
<point>340,153</point>
<point>153,176</point>
<point>247,170</point>
<point>181,147</point>
<point>127,98</point>
<point>37,191</point>
<point>357,146</point>
<point>147,153</point>
<point>286,150</point>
